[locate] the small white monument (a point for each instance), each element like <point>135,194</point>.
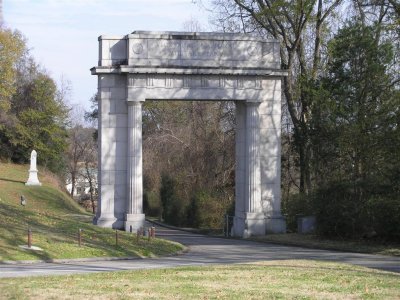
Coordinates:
<point>33,178</point>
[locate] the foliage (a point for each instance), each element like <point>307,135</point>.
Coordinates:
<point>12,49</point>
<point>294,206</point>
<point>205,211</point>
<point>173,208</point>
<point>32,112</point>
<point>356,117</point>
<point>196,143</point>
<point>362,210</point>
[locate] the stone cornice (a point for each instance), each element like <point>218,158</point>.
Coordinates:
<point>124,69</point>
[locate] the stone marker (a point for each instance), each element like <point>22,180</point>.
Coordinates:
<point>33,178</point>
<point>23,200</point>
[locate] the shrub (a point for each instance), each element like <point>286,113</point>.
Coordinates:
<point>173,206</point>
<point>295,206</point>
<point>205,211</point>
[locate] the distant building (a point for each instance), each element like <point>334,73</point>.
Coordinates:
<point>82,184</point>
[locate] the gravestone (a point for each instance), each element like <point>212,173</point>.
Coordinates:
<point>33,178</point>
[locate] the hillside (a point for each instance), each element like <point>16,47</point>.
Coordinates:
<point>55,220</point>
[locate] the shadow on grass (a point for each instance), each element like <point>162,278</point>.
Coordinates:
<point>56,234</point>
<point>11,180</point>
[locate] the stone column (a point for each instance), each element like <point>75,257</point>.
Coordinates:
<point>249,217</point>
<point>253,182</point>
<point>134,210</point>
<point>254,216</point>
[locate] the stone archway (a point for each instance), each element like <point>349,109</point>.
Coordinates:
<point>190,66</point>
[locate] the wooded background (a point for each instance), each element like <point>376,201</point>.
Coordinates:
<point>340,121</point>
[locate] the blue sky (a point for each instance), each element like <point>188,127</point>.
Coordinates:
<point>62,34</point>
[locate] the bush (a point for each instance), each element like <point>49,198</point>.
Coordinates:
<point>361,210</point>
<point>385,215</point>
<point>173,206</point>
<point>340,211</point>
<point>295,206</point>
<point>151,204</point>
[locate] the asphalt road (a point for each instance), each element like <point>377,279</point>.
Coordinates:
<point>203,250</point>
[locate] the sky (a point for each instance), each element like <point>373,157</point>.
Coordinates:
<point>62,34</point>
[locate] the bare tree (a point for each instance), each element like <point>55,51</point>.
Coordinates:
<point>90,167</point>
<point>300,27</point>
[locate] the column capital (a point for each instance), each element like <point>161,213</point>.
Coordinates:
<point>134,102</point>
<point>252,103</point>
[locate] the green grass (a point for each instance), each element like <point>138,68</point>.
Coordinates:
<point>291,279</point>
<point>55,219</point>
<point>313,241</point>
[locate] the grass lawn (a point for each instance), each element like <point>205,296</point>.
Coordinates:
<point>55,219</point>
<point>313,241</point>
<point>291,279</point>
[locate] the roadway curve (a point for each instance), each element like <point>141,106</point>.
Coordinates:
<point>203,250</point>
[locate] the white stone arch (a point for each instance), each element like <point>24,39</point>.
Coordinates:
<point>190,66</point>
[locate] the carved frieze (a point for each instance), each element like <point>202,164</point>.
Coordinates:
<point>194,81</point>
<point>201,50</point>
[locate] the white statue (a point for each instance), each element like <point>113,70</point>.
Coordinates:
<point>33,178</point>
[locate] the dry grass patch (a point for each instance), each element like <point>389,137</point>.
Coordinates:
<point>291,279</point>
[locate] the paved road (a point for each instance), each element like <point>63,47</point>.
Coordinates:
<point>204,250</point>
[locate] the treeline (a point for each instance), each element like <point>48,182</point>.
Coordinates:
<point>341,135</point>
<point>340,127</point>
<point>189,158</point>
<point>32,110</point>
<point>34,115</point>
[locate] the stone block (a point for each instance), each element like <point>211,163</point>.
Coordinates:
<point>120,189</point>
<point>105,106</point>
<point>118,121</point>
<point>134,222</point>
<point>121,149</point>
<point>270,142</point>
<point>121,135</point>
<point>270,122</point>
<point>105,177</point>
<point>120,206</point>
<point>117,93</point>
<point>106,220</point>
<point>108,136</point>
<point>117,50</point>
<point>121,164</point>
<point>306,224</point>
<point>109,162</point>
<point>117,178</point>
<point>271,107</point>
<point>252,224</point>
<point>240,150</point>
<point>270,169</point>
<point>120,107</point>
<point>275,224</point>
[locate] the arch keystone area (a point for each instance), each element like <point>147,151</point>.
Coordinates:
<point>190,66</point>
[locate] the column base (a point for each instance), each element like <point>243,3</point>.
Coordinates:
<point>251,224</point>
<point>108,221</point>
<point>134,222</point>
<point>276,224</point>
